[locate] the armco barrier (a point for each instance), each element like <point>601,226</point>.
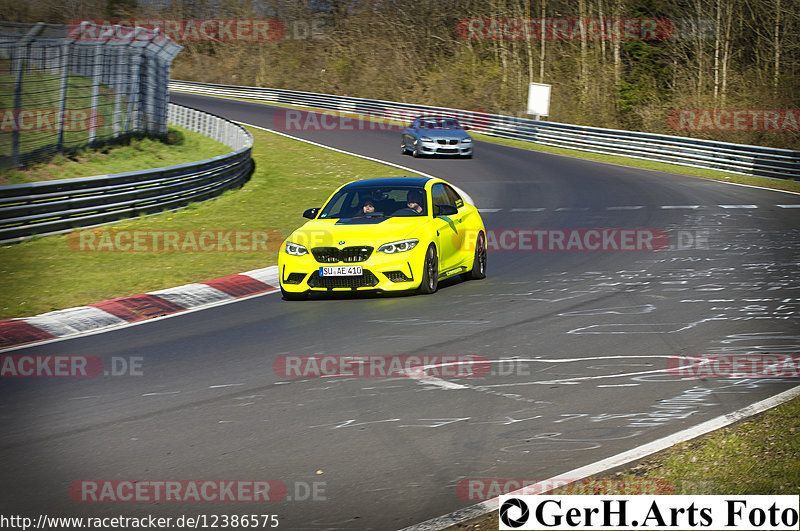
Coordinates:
<point>59,206</point>
<point>722,156</point>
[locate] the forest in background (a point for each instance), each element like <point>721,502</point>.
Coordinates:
<point>716,54</point>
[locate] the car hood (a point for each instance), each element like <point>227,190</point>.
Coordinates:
<point>356,231</point>
<point>454,134</point>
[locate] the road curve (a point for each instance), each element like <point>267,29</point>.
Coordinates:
<point>579,343</point>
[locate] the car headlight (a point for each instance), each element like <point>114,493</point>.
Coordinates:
<point>466,141</point>
<point>295,249</point>
<point>426,139</point>
<point>398,247</point>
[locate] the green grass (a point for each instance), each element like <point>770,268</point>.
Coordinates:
<point>44,274</point>
<point>756,456</point>
<point>179,146</point>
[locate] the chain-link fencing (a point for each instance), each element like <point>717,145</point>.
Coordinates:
<point>65,87</point>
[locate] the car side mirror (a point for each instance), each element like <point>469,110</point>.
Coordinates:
<point>311,213</point>
<point>446,210</point>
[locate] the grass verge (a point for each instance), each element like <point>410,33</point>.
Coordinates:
<point>45,274</point>
<point>759,455</point>
<point>178,146</point>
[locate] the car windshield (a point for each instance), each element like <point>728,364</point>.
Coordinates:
<point>440,123</point>
<point>374,201</point>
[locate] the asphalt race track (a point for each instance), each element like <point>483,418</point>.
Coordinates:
<point>578,342</point>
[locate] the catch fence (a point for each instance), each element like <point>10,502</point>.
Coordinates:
<point>65,87</point>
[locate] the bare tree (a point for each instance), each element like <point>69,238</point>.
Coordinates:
<point>777,45</point>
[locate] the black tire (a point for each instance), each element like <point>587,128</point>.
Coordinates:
<point>403,149</point>
<point>289,296</point>
<point>415,152</point>
<point>430,272</point>
<point>478,270</point>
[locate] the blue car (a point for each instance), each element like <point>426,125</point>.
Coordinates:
<point>436,135</point>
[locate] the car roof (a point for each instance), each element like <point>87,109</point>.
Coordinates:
<point>389,181</point>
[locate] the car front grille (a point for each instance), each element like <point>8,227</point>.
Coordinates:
<point>367,280</point>
<point>331,255</point>
<point>446,141</point>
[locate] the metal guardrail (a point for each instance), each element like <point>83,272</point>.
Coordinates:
<point>214,127</point>
<point>59,206</point>
<point>722,156</point>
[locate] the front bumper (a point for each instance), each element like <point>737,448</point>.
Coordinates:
<point>448,148</point>
<point>381,272</point>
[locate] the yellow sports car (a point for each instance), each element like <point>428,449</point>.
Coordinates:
<point>393,234</point>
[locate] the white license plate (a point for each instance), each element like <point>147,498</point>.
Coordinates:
<point>341,271</point>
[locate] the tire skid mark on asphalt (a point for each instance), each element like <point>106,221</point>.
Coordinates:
<point>640,328</point>
<point>567,443</point>
<point>352,423</point>
<point>421,377</point>
<point>619,310</point>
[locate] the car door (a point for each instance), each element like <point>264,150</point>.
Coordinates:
<point>409,135</point>
<point>450,231</point>
<point>465,236</point>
